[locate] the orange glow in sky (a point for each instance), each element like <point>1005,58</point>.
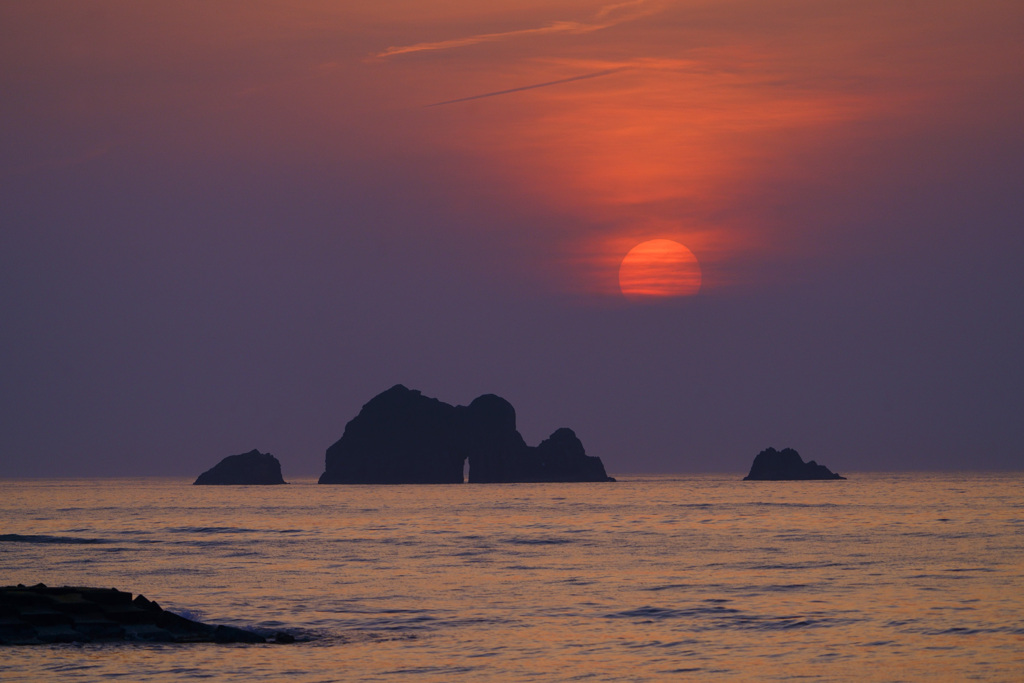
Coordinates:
<point>648,113</point>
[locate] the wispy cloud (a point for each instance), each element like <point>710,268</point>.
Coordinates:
<point>612,9</point>
<point>582,77</point>
<point>606,17</point>
<point>608,68</point>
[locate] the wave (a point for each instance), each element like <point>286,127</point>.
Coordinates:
<point>519,540</point>
<point>730,617</point>
<point>42,538</point>
<point>227,530</point>
<point>667,587</point>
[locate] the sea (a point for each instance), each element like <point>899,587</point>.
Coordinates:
<point>882,577</point>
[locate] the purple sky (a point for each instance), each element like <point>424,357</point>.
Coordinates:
<point>226,226</point>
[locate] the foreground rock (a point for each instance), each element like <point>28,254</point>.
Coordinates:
<point>773,465</point>
<point>37,615</point>
<point>403,437</point>
<point>248,469</point>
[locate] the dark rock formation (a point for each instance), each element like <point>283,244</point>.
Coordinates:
<point>773,465</point>
<point>37,615</point>
<point>252,468</point>
<point>403,437</point>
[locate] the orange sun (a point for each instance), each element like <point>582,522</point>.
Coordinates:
<point>657,269</point>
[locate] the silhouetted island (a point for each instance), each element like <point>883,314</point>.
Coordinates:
<point>252,468</point>
<point>38,615</point>
<point>773,465</point>
<point>403,437</point>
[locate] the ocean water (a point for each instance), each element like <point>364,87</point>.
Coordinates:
<point>883,577</point>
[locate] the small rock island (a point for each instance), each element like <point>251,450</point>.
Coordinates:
<point>40,615</point>
<point>786,465</point>
<point>247,469</point>
<point>404,437</point>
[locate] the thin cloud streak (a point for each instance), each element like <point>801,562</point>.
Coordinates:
<point>609,9</point>
<point>556,27</point>
<point>582,77</point>
<point>575,27</point>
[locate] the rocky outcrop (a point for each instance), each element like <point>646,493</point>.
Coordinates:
<point>38,615</point>
<point>252,468</point>
<point>403,437</point>
<point>773,465</point>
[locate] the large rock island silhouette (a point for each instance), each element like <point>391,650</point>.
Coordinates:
<point>404,437</point>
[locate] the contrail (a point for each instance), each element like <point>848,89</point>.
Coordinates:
<point>528,87</point>
<point>599,22</point>
<point>556,27</point>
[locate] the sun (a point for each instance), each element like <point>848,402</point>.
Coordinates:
<point>659,269</point>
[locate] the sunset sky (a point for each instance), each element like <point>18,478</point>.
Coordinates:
<point>227,225</point>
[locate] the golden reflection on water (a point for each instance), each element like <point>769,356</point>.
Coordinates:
<point>882,577</point>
